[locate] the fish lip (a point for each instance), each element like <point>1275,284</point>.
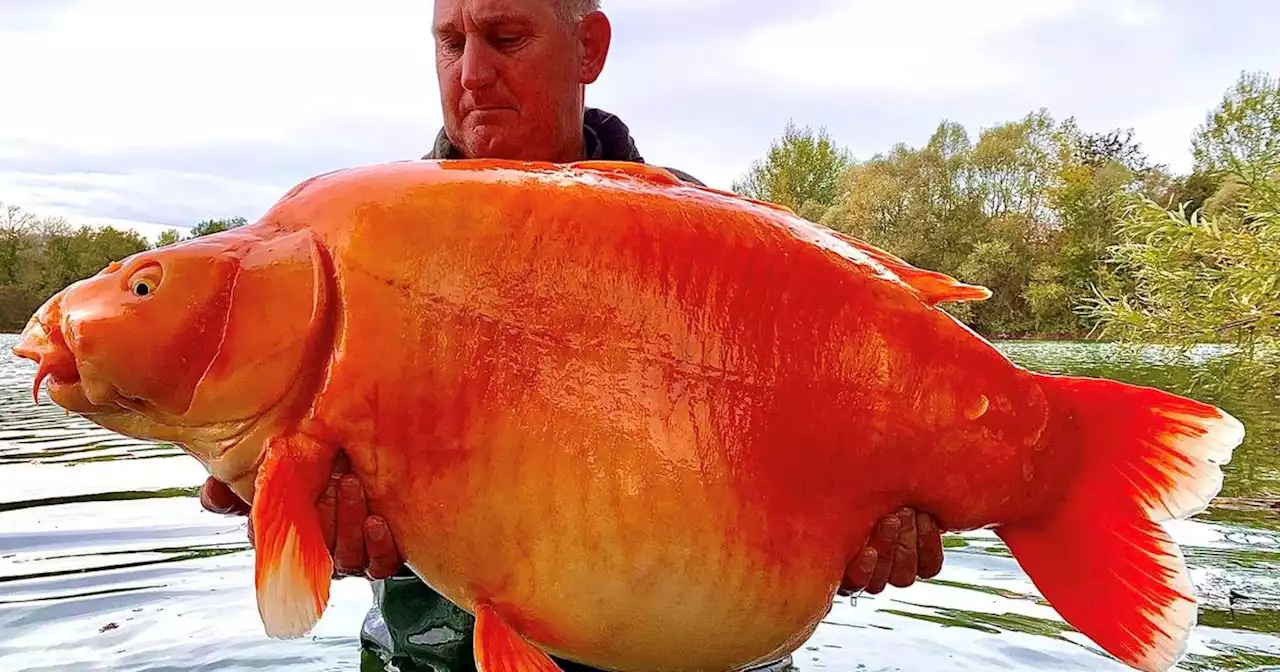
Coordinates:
<point>56,362</point>
<point>48,348</point>
<point>33,339</point>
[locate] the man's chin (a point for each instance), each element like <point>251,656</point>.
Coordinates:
<point>497,141</point>
<point>486,143</point>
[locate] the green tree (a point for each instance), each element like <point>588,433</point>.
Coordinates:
<point>982,212</point>
<point>1191,278</point>
<point>919,204</point>
<point>1094,171</point>
<point>1243,130</point>
<point>801,171</point>
<point>16,229</point>
<point>168,237</point>
<point>1029,211</point>
<point>209,226</point>
<point>41,255</point>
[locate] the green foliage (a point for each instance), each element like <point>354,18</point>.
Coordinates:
<point>41,255</point>
<point>800,171</point>
<point>1244,129</point>
<point>1187,278</point>
<point>209,226</point>
<point>1203,266</point>
<point>1051,217</point>
<point>168,237</point>
<point>1027,211</point>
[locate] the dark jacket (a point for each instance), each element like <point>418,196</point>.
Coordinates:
<point>607,139</point>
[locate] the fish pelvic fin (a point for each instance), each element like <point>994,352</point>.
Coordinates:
<point>293,568</point>
<point>498,648</point>
<point>1101,558</point>
<point>931,286</point>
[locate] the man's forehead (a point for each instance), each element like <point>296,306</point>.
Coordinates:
<point>453,13</point>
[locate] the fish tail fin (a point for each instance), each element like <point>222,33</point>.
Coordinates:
<point>1101,557</point>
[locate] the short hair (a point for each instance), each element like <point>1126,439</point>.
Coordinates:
<point>572,10</point>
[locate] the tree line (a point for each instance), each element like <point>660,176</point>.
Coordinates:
<point>41,255</point>
<point>1077,232</point>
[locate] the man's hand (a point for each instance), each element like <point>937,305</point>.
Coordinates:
<point>904,546</point>
<point>358,542</point>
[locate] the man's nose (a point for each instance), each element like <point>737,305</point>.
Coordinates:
<point>478,70</point>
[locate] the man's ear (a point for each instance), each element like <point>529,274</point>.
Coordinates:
<point>595,33</point>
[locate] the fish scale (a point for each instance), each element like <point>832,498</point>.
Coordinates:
<point>623,420</point>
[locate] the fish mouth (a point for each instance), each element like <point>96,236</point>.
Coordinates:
<point>56,363</point>
<point>50,353</point>
<point>100,402</point>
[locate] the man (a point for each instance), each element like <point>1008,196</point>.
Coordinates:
<point>512,77</point>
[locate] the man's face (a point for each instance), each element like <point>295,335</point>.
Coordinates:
<point>511,76</point>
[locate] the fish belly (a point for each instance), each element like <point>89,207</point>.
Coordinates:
<point>639,512</point>
<point>617,558</point>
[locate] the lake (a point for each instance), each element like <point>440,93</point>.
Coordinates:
<point>108,561</point>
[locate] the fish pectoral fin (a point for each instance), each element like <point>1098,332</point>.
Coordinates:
<point>498,648</point>
<point>293,568</point>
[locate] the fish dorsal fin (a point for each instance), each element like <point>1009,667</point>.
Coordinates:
<point>932,287</point>
<point>634,169</point>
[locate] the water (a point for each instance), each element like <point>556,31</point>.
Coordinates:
<point>107,561</point>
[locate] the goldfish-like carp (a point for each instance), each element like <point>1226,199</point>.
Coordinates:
<point>621,419</point>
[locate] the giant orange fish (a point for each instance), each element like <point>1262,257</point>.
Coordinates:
<point>623,420</point>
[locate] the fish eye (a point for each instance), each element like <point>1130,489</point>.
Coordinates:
<point>144,281</point>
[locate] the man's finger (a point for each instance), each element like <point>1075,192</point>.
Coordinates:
<point>349,553</point>
<point>904,551</point>
<point>327,505</point>
<point>858,574</point>
<point>384,557</point>
<point>930,546</point>
<point>215,496</point>
<point>327,509</point>
<point>884,539</point>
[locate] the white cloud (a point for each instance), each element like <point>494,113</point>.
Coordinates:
<point>201,196</point>
<point>918,47</point>
<point>133,73</point>
<point>167,113</point>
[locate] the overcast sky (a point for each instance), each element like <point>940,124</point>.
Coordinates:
<point>163,113</point>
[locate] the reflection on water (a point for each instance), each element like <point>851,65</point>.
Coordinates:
<point>107,561</point>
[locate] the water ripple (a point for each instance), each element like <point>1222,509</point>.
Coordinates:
<point>107,562</point>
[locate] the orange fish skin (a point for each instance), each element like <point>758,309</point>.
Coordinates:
<point>632,422</point>
<point>628,418</point>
